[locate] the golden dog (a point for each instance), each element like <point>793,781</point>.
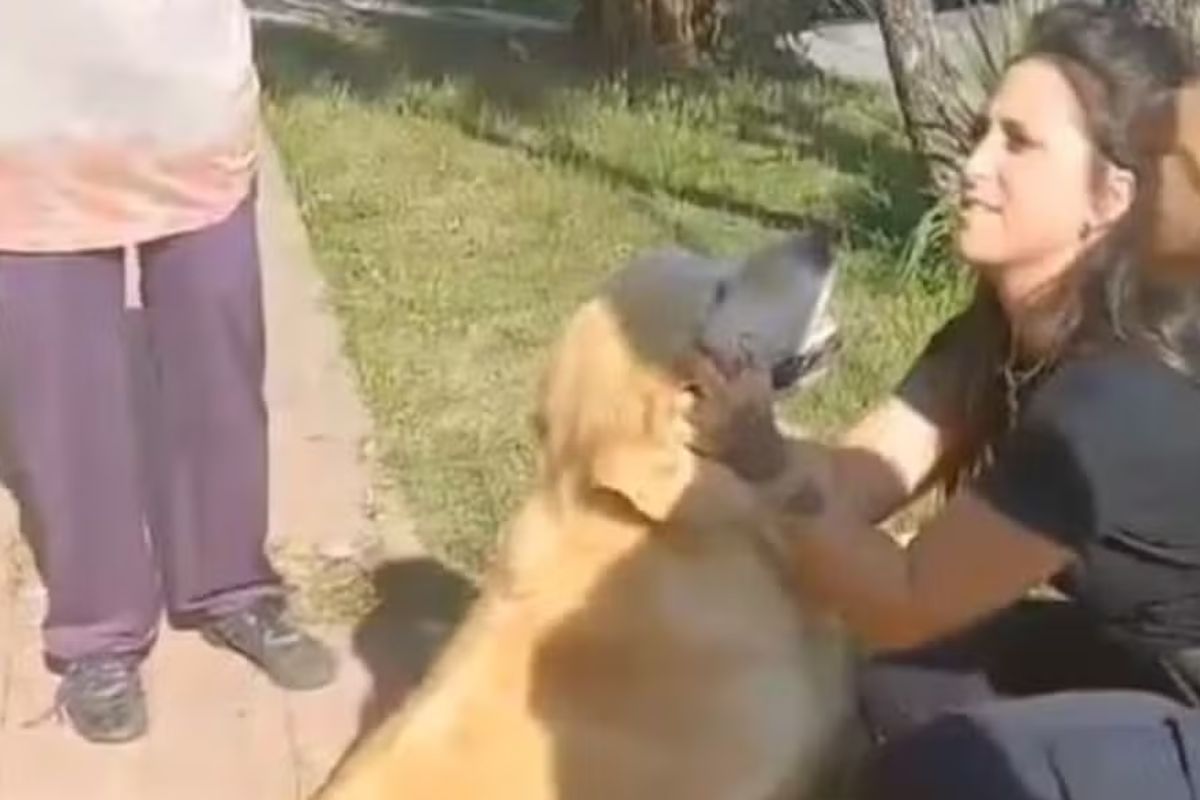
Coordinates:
<point>635,639</point>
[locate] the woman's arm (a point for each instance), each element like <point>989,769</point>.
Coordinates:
<point>887,459</point>
<point>878,465</point>
<point>903,445</point>
<point>968,561</point>
<point>823,500</point>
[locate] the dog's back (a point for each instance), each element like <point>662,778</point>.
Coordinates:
<point>610,660</point>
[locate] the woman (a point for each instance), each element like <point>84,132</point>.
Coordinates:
<point>1062,408</point>
<point>130,124</point>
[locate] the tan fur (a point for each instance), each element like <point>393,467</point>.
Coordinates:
<point>1169,222</point>
<point>632,642</point>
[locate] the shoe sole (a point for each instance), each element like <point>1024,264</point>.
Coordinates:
<point>136,729</point>
<point>217,640</point>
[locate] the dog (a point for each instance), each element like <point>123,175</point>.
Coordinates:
<point>636,637</point>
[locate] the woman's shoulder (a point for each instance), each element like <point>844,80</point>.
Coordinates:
<point>1109,442</point>
<point>955,366</point>
<point>1119,392</point>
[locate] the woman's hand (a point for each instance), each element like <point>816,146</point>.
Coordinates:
<point>736,425</point>
<point>734,418</point>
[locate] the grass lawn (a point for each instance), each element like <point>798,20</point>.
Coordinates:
<point>463,201</point>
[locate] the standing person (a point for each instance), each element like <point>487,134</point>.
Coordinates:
<point>130,123</point>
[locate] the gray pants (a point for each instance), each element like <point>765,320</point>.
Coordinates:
<point>142,480</point>
<point>1079,745</point>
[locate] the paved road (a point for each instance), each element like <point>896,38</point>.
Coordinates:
<point>854,50</point>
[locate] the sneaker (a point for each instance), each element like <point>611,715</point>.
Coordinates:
<point>103,698</point>
<point>290,657</point>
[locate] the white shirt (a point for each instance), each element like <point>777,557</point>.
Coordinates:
<point>122,120</point>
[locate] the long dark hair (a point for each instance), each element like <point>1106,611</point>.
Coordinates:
<point>1113,62</point>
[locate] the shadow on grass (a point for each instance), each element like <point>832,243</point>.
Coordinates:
<point>525,76</point>
<point>569,154</point>
<point>516,71</point>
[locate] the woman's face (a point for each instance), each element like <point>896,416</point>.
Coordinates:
<point>1031,199</point>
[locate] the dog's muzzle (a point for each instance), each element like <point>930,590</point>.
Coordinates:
<point>771,310</point>
<point>793,370</point>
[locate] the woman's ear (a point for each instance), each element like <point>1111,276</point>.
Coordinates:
<point>1118,189</point>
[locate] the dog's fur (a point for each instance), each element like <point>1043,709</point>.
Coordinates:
<point>1168,225</point>
<point>635,640</point>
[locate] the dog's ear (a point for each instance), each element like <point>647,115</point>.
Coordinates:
<point>1154,127</point>
<point>1168,135</point>
<point>652,478</point>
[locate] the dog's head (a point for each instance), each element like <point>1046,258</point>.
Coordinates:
<point>614,406</point>
<point>1167,230</point>
<point>774,311</point>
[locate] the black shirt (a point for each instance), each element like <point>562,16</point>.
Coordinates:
<point>1105,459</point>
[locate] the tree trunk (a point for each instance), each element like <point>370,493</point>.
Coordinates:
<point>649,32</point>
<point>1180,14</point>
<point>924,84</point>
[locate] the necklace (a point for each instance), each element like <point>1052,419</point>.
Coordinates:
<point>1016,379</point>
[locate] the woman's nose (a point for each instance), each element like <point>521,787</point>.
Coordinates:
<point>977,166</point>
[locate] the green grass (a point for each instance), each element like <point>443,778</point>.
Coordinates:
<point>460,219</point>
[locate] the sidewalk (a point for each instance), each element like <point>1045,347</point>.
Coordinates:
<point>219,730</point>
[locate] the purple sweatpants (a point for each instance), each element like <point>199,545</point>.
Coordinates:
<point>142,477</point>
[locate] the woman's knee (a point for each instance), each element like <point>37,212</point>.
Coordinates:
<point>898,693</point>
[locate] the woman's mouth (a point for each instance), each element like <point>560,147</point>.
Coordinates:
<point>969,204</point>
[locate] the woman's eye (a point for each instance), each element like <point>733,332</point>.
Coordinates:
<point>978,129</point>
<point>1017,143</point>
<point>1016,137</point>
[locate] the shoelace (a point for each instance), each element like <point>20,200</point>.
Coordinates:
<point>107,678</point>
<point>277,632</point>
<point>265,624</point>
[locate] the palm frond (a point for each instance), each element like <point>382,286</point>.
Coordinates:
<point>929,246</point>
